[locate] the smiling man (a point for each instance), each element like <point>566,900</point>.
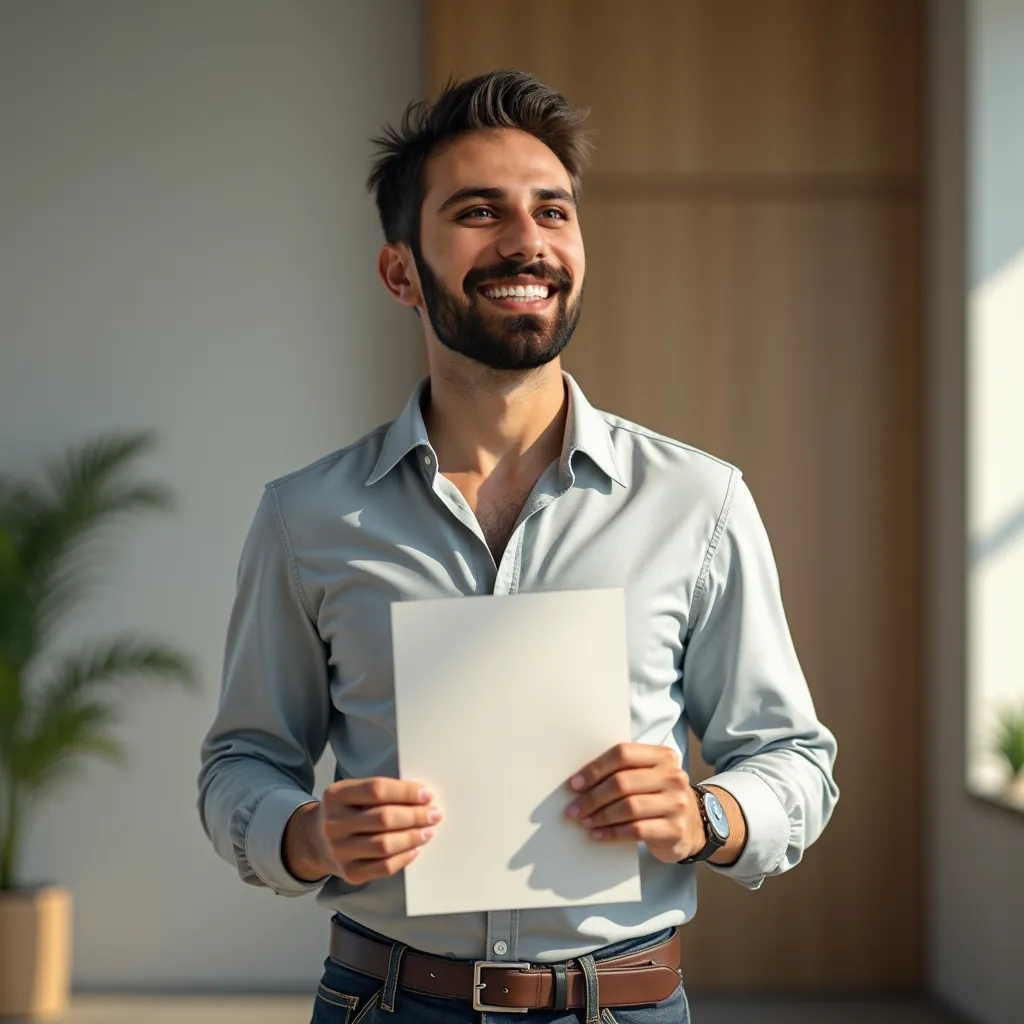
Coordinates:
<point>499,478</point>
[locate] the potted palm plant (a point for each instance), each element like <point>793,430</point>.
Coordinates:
<point>1009,744</point>
<point>57,707</point>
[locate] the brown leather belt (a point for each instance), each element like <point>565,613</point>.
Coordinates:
<point>636,979</point>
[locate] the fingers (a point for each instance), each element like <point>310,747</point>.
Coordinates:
<point>652,831</point>
<point>362,854</point>
<point>629,784</point>
<point>376,792</point>
<point>634,808</point>
<point>362,871</point>
<point>385,845</point>
<point>376,827</point>
<point>637,793</point>
<point>354,821</point>
<point>363,857</point>
<point>620,757</point>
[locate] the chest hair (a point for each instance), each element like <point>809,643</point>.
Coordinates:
<point>497,518</point>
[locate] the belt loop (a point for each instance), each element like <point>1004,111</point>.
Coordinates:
<point>592,1006</point>
<point>561,974</point>
<point>387,999</point>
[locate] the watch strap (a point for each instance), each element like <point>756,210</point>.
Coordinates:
<point>714,842</point>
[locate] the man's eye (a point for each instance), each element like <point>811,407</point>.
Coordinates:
<point>475,213</point>
<point>558,214</point>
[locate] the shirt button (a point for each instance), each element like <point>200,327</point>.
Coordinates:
<point>426,460</point>
<point>500,948</point>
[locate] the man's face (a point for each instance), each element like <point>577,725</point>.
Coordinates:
<point>501,259</point>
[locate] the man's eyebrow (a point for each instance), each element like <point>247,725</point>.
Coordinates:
<point>484,192</point>
<point>551,194</point>
<point>473,192</point>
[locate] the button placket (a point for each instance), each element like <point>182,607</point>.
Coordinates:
<point>503,925</point>
<point>500,941</point>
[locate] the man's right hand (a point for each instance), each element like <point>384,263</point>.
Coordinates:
<point>361,829</point>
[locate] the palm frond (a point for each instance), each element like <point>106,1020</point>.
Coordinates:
<point>94,466</point>
<point>69,730</point>
<point>63,590</point>
<point>44,571</point>
<point>85,489</point>
<point>123,658</point>
<point>67,720</point>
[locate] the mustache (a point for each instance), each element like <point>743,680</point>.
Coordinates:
<point>558,276</point>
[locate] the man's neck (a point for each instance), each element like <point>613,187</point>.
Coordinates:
<point>504,423</point>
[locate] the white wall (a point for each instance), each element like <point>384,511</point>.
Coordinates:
<point>976,851</point>
<point>187,244</point>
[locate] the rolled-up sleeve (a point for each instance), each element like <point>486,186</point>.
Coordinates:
<point>259,756</point>
<point>748,701</point>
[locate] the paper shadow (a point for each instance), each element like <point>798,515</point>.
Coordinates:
<point>548,843</point>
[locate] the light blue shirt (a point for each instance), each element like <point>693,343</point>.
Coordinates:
<point>308,657</point>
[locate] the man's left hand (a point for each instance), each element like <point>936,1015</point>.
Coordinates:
<point>638,793</point>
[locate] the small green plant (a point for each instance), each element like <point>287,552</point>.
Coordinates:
<point>1009,741</point>
<point>51,714</point>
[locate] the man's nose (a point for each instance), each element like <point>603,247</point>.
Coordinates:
<point>522,239</point>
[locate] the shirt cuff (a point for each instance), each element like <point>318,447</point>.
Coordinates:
<point>767,827</point>
<point>263,840</point>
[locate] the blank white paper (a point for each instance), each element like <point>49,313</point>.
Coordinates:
<point>499,701</point>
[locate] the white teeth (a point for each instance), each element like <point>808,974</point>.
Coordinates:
<point>525,293</point>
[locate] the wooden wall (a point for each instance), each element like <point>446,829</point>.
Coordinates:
<point>753,229</point>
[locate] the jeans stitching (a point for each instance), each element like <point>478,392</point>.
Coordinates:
<point>371,1005</point>
<point>593,1004</point>
<point>333,994</point>
<point>388,993</point>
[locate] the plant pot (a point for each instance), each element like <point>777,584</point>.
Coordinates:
<point>1015,789</point>
<point>35,953</point>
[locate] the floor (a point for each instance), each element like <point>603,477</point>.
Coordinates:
<point>292,1010</point>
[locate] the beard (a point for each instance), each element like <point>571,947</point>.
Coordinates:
<point>501,342</point>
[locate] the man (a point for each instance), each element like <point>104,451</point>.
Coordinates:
<point>500,478</point>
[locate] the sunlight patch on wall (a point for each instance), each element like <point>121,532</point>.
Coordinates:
<point>995,511</point>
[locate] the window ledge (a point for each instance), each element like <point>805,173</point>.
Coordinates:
<point>999,800</point>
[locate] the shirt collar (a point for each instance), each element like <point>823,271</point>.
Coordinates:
<point>586,431</point>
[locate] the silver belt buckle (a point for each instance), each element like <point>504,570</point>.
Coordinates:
<point>479,986</point>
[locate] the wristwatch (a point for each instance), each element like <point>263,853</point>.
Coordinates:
<point>716,825</point>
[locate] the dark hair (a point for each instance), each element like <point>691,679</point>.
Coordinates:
<point>499,99</point>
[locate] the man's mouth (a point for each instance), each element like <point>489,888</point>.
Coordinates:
<point>515,294</point>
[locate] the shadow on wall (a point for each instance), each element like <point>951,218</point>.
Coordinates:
<point>992,542</point>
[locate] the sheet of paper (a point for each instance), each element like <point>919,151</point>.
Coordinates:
<point>499,700</point>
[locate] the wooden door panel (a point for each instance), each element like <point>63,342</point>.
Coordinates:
<point>735,87</point>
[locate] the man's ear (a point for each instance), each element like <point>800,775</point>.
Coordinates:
<point>397,270</point>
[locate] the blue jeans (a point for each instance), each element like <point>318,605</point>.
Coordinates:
<point>345,996</point>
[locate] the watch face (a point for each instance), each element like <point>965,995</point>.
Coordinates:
<point>716,815</point>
